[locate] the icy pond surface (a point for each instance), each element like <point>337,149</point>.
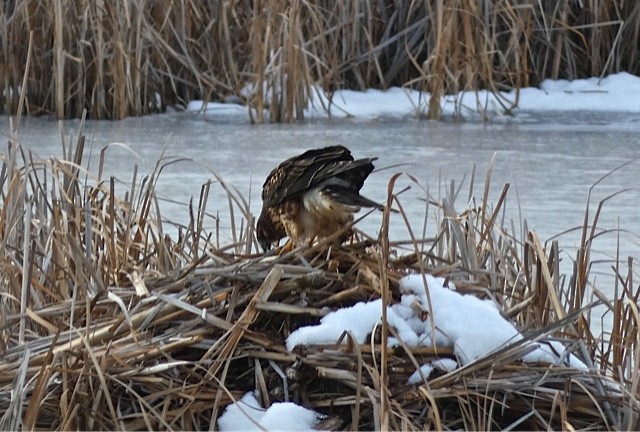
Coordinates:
<point>549,159</point>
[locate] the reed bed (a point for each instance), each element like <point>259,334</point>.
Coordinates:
<point>108,323</point>
<point>118,59</point>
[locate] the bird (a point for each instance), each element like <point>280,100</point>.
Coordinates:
<point>311,196</point>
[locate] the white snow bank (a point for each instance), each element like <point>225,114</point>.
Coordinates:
<point>614,93</point>
<point>333,325</point>
<point>472,326</point>
<point>248,415</point>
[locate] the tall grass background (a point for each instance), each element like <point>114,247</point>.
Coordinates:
<point>124,58</point>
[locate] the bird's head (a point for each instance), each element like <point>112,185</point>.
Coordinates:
<point>267,232</point>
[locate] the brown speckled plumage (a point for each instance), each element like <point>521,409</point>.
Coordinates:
<point>312,196</point>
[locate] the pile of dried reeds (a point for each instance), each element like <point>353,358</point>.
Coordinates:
<point>118,59</point>
<point>107,323</point>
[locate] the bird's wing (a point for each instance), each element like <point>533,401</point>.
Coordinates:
<point>297,174</point>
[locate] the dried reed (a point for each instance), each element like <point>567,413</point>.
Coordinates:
<point>118,59</point>
<point>107,323</point>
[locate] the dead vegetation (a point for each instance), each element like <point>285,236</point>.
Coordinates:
<point>108,323</point>
<point>119,59</point>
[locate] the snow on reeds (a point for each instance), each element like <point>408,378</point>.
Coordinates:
<point>108,323</point>
<point>118,59</point>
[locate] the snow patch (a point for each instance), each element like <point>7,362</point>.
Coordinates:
<point>615,93</point>
<point>248,415</point>
<point>473,327</point>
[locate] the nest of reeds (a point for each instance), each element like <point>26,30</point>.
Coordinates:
<point>107,323</point>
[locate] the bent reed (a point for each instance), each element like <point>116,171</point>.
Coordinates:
<point>123,58</point>
<point>108,323</point>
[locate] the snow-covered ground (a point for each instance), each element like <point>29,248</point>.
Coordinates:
<point>614,93</point>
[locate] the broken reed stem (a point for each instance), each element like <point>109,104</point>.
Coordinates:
<point>26,272</point>
<point>58,45</point>
<point>23,91</point>
<point>384,290</point>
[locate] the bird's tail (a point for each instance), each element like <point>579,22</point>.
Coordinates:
<point>353,172</point>
<point>348,196</point>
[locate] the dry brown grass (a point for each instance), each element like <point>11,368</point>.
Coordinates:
<point>107,323</point>
<point>119,59</point>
